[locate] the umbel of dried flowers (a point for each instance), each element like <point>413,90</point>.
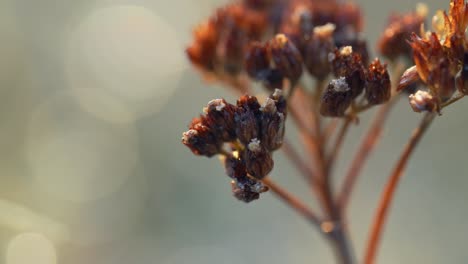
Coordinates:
<point>245,135</point>
<point>441,59</point>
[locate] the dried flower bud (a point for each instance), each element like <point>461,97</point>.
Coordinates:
<point>348,64</point>
<point>350,37</point>
<point>409,77</point>
<point>286,57</point>
<point>378,88</point>
<point>317,49</point>
<point>200,139</point>
<point>462,76</point>
<point>394,40</point>
<point>298,23</point>
<point>246,118</point>
<point>235,168</point>
<point>258,160</point>
<point>202,51</point>
<point>257,61</point>
<point>220,119</point>
<point>272,79</point>
<point>336,98</point>
<point>272,126</point>
<point>423,101</point>
<point>280,101</point>
<point>231,49</point>
<point>247,189</point>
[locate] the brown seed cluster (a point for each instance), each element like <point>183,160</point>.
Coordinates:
<point>352,78</point>
<point>245,134</point>
<point>440,55</point>
<point>304,31</point>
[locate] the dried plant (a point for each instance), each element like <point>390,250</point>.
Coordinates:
<point>276,43</point>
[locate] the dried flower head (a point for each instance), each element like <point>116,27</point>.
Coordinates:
<point>219,43</point>
<point>439,55</point>
<point>336,98</point>
<point>253,131</point>
<point>348,64</point>
<point>394,40</point>
<point>317,49</point>
<point>377,88</point>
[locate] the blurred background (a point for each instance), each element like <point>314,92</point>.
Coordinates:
<point>94,96</point>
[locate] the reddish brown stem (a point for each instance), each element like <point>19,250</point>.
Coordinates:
<point>366,147</point>
<point>339,141</point>
<point>389,190</point>
<point>293,201</point>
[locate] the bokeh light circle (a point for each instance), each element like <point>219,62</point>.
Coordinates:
<point>76,157</point>
<point>126,58</point>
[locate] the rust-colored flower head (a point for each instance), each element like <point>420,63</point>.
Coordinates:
<point>348,64</point>
<point>272,125</point>
<point>337,98</point>
<point>317,49</point>
<point>201,140</point>
<point>286,57</point>
<point>394,40</point>
<point>220,42</point>
<point>378,87</point>
<point>439,55</point>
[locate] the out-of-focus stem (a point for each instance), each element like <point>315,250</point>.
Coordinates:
<point>338,143</point>
<point>366,147</point>
<point>389,190</point>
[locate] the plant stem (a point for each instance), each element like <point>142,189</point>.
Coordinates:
<point>389,190</point>
<point>339,141</point>
<point>366,147</point>
<point>293,201</point>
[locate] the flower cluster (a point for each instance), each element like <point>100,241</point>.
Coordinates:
<point>352,78</point>
<point>440,57</point>
<point>219,43</point>
<point>222,42</point>
<point>245,135</point>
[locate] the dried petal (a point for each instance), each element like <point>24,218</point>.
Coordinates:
<point>409,77</point>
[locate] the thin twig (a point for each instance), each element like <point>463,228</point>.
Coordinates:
<point>366,147</point>
<point>390,187</point>
<point>338,143</point>
<point>330,129</point>
<point>293,201</point>
<point>305,170</point>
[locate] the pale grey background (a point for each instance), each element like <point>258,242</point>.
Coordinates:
<point>91,160</point>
